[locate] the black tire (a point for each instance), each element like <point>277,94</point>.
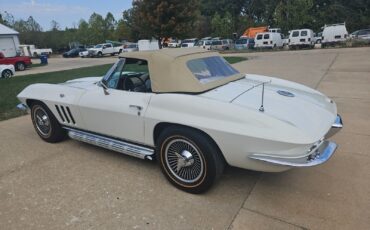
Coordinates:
<point>20,66</point>
<point>6,74</point>
<point>198,162</point>
<point>45,123</point>
<point>100,54</point>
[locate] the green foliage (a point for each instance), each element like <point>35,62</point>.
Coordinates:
<point>222,26</point>
<point>163,18</point>
<point>291,14</point>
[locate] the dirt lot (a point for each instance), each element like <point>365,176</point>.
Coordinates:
<point>72,185</point>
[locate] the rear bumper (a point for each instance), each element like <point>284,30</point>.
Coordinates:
<point>336,127</point>
<point>318,154</point>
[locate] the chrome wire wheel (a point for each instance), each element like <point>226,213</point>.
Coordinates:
<point>42,121</point>
<point>184,160</point>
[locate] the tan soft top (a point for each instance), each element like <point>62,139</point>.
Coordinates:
<point>169,72</point>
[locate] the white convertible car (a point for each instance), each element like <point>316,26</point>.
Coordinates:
<point>193,112</point>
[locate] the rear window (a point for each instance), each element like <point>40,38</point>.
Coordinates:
<point>259,37</point>
<point>303,33</point>
<point>266,36</point>
<point>295,34</point>
<point>210,69</point>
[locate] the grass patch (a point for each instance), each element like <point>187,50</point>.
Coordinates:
<point>233,60</point>
<point>10,88</point>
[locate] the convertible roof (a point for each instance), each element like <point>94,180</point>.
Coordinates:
<point>169,72</point>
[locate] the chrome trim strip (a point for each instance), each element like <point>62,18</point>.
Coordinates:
<point>22,107</point>
<point>319,156</point>
<point>111,144</point>
<point>335,127</point>
<point>338,123</point>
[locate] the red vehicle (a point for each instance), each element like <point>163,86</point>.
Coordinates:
<point>20,62</point>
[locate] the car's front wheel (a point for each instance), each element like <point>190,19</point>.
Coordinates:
<point>189,159</point>
<point>6,74</point>
<point>46,125</point>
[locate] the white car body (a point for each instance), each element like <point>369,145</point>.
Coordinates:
<point>7,71</point>
<point>174,44</point>
<point>286,130</point>
<point>205,44</point>
<point>269,40</point>
<point>189,43</point>
<point>334,33</point>
<point>301,38</point>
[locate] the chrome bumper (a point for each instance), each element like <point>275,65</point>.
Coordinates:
<point>22,107</point>
<point>319,153</point>
<point>337,125</point>
<point>317,156</point>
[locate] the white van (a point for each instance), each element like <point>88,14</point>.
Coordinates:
<point>301,38</point>
<point>275,30</point>
<point>333,34</point>
<point>269,40</point>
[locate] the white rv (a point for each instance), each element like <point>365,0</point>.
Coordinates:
<point>269,40</point>
<point>333,34</point>
<point>301,38</point>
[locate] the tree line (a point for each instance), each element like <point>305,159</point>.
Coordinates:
<point>195,18</point>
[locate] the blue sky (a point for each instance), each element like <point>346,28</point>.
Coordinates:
<point>66,12</point>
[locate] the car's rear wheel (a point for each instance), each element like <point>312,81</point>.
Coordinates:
<point>20,66</point>
<point>6,74</point>
<point>189,159</point>
<point>46,125</point>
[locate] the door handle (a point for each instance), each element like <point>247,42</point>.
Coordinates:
<point>136,107</point>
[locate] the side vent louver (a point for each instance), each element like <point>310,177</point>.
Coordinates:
<point>65,114</point>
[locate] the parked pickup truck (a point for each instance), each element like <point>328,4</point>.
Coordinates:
<point>32,51</point>
<point>19,62</point>
<point>105,49</point>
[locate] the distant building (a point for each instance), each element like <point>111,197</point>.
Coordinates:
<point>9,41</point>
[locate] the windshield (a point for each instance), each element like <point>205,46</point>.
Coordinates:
<point>99,46</point>
<point>210,69</point>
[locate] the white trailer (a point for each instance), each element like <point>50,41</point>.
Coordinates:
<point>32,51</point>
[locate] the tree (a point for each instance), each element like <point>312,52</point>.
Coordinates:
<point>293,14</point>
<point>54,25</point>
<point>222,26</point>
<point>97,28</point>
<point>164,18</point>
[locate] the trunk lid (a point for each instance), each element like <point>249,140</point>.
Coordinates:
<point>292,103</point>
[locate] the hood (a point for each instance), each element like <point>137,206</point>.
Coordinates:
<point>296,105</point>
<point>82,83</point>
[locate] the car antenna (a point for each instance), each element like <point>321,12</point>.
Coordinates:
<point>262,109</point>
